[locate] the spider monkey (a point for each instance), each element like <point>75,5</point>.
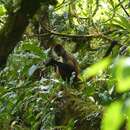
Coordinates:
<point>66,57</point>
<point>68,67</point>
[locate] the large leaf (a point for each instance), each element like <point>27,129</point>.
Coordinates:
<point>122,74</point>
<point>122,22</point>
<point>96,68</point>
<point>113,117</point>
<point>2,10</point>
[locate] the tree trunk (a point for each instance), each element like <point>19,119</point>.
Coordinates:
<point>14,28</point>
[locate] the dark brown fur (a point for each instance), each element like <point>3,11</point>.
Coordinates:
<point>68,67</point>
<point>67,58</point>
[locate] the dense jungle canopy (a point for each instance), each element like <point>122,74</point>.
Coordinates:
<point>85,85</point>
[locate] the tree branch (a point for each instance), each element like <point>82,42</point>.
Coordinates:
<point>100,35</point>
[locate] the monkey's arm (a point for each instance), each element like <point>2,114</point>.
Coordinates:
<point>65,70</point>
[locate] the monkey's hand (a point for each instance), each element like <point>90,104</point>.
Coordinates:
<point>49,62</point>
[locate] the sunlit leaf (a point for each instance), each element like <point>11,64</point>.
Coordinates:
<point>122,22</point>
<point>2,10</point>
<point>127,111</point>
<point>122,73</point>
<point>113,117</point>
<point>96,68</point>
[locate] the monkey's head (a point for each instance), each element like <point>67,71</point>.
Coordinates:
<point>59,50</point>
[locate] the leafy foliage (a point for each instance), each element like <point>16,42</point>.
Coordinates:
<point>22,97</point>
<point>32,95</point>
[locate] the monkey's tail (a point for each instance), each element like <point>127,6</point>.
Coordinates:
<point>113,43</point>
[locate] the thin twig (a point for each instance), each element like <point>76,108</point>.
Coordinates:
<point>123,8</point>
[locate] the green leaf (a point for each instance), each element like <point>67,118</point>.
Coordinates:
<point>2,10</point>
<point>127,111</point>
<point>33,48</point>
<point>96,68</point>
<point>113,117</point>
<point>122,22</point>
<point>122,74</point>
